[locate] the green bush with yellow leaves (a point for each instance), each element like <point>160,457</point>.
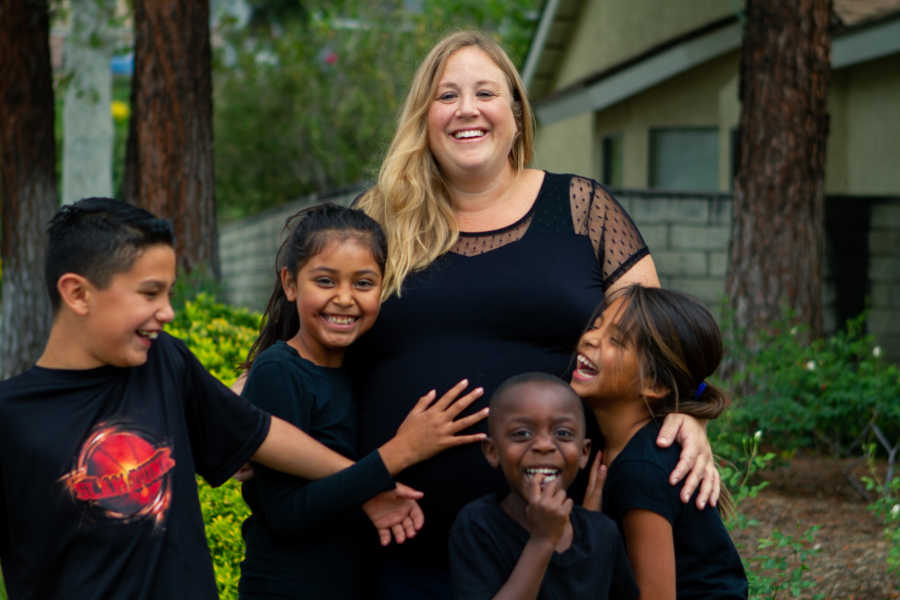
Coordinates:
<point>220,336</point>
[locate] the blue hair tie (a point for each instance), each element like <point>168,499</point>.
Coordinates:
<point>700,389</point>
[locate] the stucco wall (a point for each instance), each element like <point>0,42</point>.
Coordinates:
<point>567,146</point>
<point>610,31</point>
<point>863,143</point>
<point>873,127</point>
<point>704,96</point>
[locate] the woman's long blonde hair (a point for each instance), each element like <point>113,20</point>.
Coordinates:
<point>410,199</point>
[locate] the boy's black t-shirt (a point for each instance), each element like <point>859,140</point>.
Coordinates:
<point>707,564</point>
<point>97,487</point>
<point>486,543</point>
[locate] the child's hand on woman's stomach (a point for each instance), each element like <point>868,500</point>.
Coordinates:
<point>432,426</point>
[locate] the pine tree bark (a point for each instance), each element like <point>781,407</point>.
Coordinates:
<point>777,237</point>
<point>169,152</point>
<point>28,175</point>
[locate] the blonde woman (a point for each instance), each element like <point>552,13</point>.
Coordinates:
<point>494,269</point>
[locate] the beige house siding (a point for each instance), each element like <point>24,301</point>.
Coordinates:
<point>863,143</point>
<point>873,127</point>
<point>567,146</point>
<point>611,31</point>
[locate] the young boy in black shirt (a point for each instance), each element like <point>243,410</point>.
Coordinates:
<point>534,543</point>
<point>100,440</point>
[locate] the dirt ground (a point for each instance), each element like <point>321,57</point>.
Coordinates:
<point>850,563</point>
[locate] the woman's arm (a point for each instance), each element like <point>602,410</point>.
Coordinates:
<point>651,551</point>
<point>696,458</point>
<point>642,272</point>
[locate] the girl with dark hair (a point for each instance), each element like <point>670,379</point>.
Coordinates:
<point>303,537</point>
<point>646,355</point>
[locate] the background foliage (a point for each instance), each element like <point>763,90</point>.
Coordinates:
<point>306,99</point>
<point>832,394</point>
<point>220,336</point>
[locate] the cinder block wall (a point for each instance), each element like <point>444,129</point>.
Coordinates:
<point>687,234</point>
<point>688,238</point>
<point>884,275</point>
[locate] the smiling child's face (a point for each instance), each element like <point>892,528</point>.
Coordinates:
<point>337,296</point>
<point>124,318</point>
<point>607,366</point>
<point>537,432</point>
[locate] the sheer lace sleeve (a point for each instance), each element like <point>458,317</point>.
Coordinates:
<point>597,214</point>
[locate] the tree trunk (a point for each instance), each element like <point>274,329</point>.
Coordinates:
<point>777,237</point>
<point>28,174</point>
<point>87,123</point>
<point>169,153</point>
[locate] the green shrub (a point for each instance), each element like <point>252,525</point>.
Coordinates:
<point>219,335</point>
<point>223,512</point>
<point>777,567</point>
<point>784,573</point>
<point>827,394</point>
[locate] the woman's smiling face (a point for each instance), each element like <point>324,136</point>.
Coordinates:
<point>471,126</point>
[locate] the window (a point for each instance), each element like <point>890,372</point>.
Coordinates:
<point>611,170</point>
<point>684,159</point>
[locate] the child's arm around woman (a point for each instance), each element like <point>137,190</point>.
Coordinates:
<point>304,395</point>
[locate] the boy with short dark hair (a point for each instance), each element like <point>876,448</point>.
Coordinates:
<point>534,543</point>
<point>100,440</point>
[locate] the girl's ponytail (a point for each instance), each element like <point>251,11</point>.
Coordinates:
<point>708,404</point>
<point>279,322</point>
<point>679,346</point>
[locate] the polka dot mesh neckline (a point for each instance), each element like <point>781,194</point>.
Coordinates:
<point>594,213</point>
<point>475,243</point>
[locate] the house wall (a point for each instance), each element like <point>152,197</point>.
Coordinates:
<point>611,31</point>
<point>688,235</point>
<point>863,143</point>
<point>567,146</point>
<point>872,127</point>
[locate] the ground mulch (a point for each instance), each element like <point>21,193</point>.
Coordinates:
<point>808,490</point>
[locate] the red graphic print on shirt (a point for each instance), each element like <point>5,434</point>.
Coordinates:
<point>124,472</point>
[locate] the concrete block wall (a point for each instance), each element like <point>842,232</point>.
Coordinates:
<point>884,275</point>
<point>688,235</point>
